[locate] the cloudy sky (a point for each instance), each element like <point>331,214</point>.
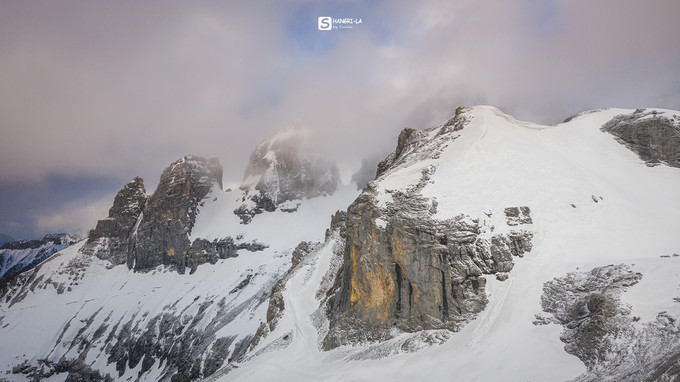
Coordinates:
<point>95,93</point>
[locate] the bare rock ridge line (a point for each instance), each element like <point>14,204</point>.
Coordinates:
<point>110,239</point>
<point>161,236</point>
<point>145,231</point>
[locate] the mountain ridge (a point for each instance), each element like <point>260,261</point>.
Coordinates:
<point>479,213</point>
<point>570,181</point>
<point>21,255</point>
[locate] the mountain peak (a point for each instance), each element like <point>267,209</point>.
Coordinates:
<point>144,231</point>
<point>284,168</point>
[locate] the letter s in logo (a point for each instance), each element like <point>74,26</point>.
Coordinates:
<point>325,23</point>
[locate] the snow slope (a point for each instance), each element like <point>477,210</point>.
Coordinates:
<point>13,257</point>
<point>593,203</point>
<point>277,229</point>
<point>31,253</point>
<point>76,302</point>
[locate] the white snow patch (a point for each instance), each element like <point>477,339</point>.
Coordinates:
<point>277,229</point>
<point>659,289</point>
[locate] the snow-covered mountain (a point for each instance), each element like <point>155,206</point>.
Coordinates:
<point>283,170</point>
<point>486,249</point>
<point>482,252</point>
<point>170,285</point>
<point>21,255</point>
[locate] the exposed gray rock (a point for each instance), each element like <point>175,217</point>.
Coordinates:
<point>205,251</point>
<point>569,119</point>
<point>110,240</point>
<point>282,169</point>
<point>181,340</point>
<point>20,286</point>
<point>62,239</point>
<point>600,330</point>
<point>518,215</point>
<point>651,135</point>
<point>414,145</point>
<point>217,355</point>
<point>145,231</point>
<point>300,252</point>
<point>242,284</point>
<point>407,344</point>
<point>75,369</point>
<point>178,341</point>
<point>162,236</point>
<point>337,223</point>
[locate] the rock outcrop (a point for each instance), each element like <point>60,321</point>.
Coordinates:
<point>601,330</point>
<point>654,136</point>
<point>145,231</point>
<point>413,273</point>
<point>282,169</point>
<point>405,269</point>
<point>110,240</point>
<point>162,235</point>
<point>414,145</point>
<point>205,251</point>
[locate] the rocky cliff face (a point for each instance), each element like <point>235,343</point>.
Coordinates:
<point>653,135</point>
<point>162,236</point>
<point>405,269</point>
<point>145,231</point>
<point>110,240</point>
<point>282,169</point>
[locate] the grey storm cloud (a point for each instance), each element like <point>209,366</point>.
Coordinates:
<point>119,89</point>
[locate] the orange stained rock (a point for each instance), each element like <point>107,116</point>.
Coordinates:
<point>187,188</point>
<point>355,294</point>
<point>399,249</point>
<point>380,291</point>
<point>377,291</point>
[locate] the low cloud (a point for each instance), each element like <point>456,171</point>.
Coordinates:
<point>121,89</point>
<point>73,217</point>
